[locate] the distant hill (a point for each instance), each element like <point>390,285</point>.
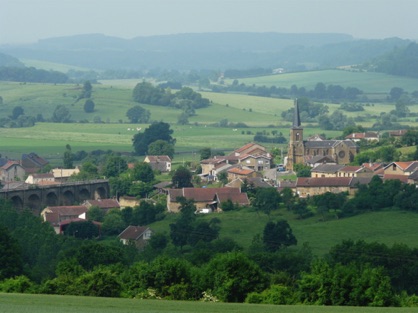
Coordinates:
<point>219,51</point>
<point>9,61</point>
<point>402,61</point>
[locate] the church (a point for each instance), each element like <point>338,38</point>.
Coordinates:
<point>307,151</point>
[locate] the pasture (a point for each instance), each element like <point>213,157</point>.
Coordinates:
<point>369,82</point>
<point>18,303</point>
<point>388,227</point>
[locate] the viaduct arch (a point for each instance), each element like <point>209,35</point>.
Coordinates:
<point>36,198</point>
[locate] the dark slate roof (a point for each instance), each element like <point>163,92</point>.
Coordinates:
<point>296,116</point>
<point>133,232</point>
<point>413,176</point>
<point>331,181</point>
<point>328,168</point>
<point>320,159</point>
<point>328,143</point>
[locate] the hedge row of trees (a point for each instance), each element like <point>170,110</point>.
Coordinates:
<point>185,98</point>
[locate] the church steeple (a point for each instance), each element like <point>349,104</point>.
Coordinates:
<point>296,115</point>
<point>296,150</point>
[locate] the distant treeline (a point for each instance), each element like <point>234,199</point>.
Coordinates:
<point>320,92</point>
<point>31,75</point>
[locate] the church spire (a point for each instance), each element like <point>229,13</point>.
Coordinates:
<point>296,116</point>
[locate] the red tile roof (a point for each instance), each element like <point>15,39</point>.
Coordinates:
<point>240,171</point>
<point>323,181</point>
<point>10,164</point>
<point>200,194</point>
<point>402,178</point>
<point>104,203</point>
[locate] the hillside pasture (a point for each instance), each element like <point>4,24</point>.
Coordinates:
<point>18,303</point>
<point>388,227</point>
<point>368,82</point>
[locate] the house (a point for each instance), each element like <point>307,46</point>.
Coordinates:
<point>368,136</point>
<point>32,162</point>
<point>137,235</point>
<point>208,165</point>
<point>160,163</point>
<point>224,195</point>
<point>258,162</point>
<point>312,186</point>
<point>257,182</point>
<point>397,133</point>
<point>316,160</point>
<point>127,201</point>
<point>204,197</point>
<point>326,170</point>
<point>40,179</point>
<point>240,172</point>
<point>355,171</point>
<point>55,215</point>
<point>63,174</point>
<point>12,171</point>
<point>104,204</point>
<point>400,168</point>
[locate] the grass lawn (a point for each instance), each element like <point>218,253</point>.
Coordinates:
<point>21,303</point>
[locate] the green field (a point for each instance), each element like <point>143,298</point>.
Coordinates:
<point>388,227</point>
<point>368,82</point>
<point>21,303</point>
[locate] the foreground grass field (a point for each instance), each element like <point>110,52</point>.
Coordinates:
<point>20,303</point>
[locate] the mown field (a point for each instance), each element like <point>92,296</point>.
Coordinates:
<point>20,303</point>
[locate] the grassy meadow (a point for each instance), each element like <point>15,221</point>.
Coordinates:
<point>388,227</point>
<point>369,82</point>
<point>19,303</point>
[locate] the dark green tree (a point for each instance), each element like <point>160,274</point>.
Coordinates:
<point>205,153</point>
<point>182,177</point>
<point>89,106</point>
<point>68,157</point>
<point>114,166</point>
<point>95,214</point>
<point>180,230</point>
<point>266,200</point>
<point>156,131</point>
<point>231,276</point>
<point>82,230</point>
<point>10,257</point>
<point>61,114</point>
<point>138,114</point>
<point>278,235</point>
<point>17,111</point>
<point>161,147</point>
<point>142,171</point>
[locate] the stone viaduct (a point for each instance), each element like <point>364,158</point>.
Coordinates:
<point>37,197</point>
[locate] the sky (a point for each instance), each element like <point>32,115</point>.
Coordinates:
<point>26,21</point>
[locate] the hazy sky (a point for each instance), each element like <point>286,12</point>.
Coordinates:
<point>29,20</point>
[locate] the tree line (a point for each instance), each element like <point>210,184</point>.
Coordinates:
<point>32,75</point>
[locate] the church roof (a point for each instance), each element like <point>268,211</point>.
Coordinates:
<point>296,116</point>
<point>327,143</point>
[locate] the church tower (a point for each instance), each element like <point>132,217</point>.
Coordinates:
<point>296,150</point>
